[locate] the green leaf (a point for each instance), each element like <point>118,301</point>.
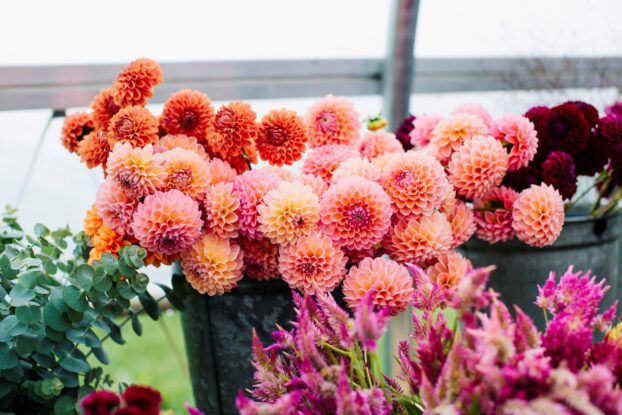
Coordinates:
<point>52,387</point>
<point>21,295</point>
<point>28,314</point>
<point>102,282</point>
<point>41,230</point>
<point>65,405</point>
<point>86,337</point>
<point>10,326</point>
<point>115,331</point>
<point>125,268</point>
<point>8,357</point>
<point>172,297</point>
<point>50,267</point>
<point>136,324</point>
<point>74,365</point>
<point>5,389</point>
<point>150,305</point>
<point>44,360</point>
<point>84,274</point>
<point>125,290</point>
<point>56,298</point>
<point>101,355</point>
<point>70,379</point>
<point>45,345</point>
<point>29,279</point>
<point>57,320</point>
<point>26,344</point>
<point>109,262</point>
<point>5,267</point>
<point>75,298</point>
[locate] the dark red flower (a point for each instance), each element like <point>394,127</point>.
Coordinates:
<point>522,178</point>
<point>130,410</point>
<point>538,115</point>
<point>614,110</point>
<point>588,110</point>
<point>616,170</point>
<point>560,172</point>
<point>564,128</point>
<point>100,403</point>
<point>403,131</point>
<point>594,158</point>
<point>146,399</point>
<point>610,129</point>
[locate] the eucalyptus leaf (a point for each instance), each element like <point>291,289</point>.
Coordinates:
<point>28,314</point>
<point>21,295</point>
<point>75,298</point>
<point>74,365</point>
<point>8,357</point>
<point>57,320</point>
<point>84,274</point>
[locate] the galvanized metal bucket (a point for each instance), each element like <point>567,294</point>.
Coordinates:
<point>585,242</point>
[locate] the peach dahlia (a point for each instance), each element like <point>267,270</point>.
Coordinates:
<point>538,215</point>
<point>186,171</point>
<point>233,131</point>
<point>137,171</point>
<point>221,205</point>
<point>449,134</point>
<point>376,143</point>
<point>323,161</point>
<point>134,125</point>
<point>332,120</point>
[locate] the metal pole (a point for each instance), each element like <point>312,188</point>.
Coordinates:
<point>397,79</point>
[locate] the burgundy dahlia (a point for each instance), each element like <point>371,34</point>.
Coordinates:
<point>594,158</point>
<point>143,398</point>
<point>538,116</point>
<point>560,172</point>
<point>588,110</point>
<point>523,178</point>
<point>566,129</point>
<point>610,129</point>
<point>100,403</point>
<point>403,132</point>
<point>614,110</point>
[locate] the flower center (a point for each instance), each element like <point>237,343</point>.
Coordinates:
<point>125,126</point>
<point>168,241</point>
<point>559,127</point>
<point>224,119</point>
<point>180,179</point>
<point>404,178</point>
<point>189,120</point>
<point>357,215</point>
<point>276,136</point>
<point>307,267</point>
<point>127,181</point>
<point>327,122</point>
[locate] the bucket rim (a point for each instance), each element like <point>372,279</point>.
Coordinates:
<point>590,218</point>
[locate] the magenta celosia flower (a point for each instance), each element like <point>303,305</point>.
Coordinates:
<point>370,325</point>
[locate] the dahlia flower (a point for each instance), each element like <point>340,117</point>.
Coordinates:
<point>92,221</point>
<point>282,138</point>
<point>383,160</point>
<point>332,120</point>
<point>167,222</point>
<point>462,223</point>
<point>134,125</point>
<point>76,126</point>
<point>115,207</point>
<point>475,109</point>
<point>106,240</point>
<point>594,157</point>
<point>538,215</point>
<point>233,131</point>
<point>221,205</point>
<point>318,185</point>
<point>104,108</point>
<point>523,178</point>
<point>186,171</point>
<point>288,212</point>
<point>312,264</point>
<point>251,187</point>
<point>589,112</point>
<point>450,133</point>
<point>519,134</point>
<point>187,112</point>
<point>565,128</point>
<point>221,171</point>
<point>420,240</point>
<point>422,132</point>
<point>322,161</point>
<point>404,130</point>
<point>610,130</point>
<point>213,265</point>
<point>171,141</point>
<point>134,84</point>
<point>357,167</point>
<point>93,149</point>
<point>415,182</point>
<point>493,215</point>
<point>559,171</point>
<point>478,166</point>
<point>390,281</point>
<point>137,171</point>
<point>375,143</point>
<point>614,109</point>
<point>449,269</point>
<point>261,258</point>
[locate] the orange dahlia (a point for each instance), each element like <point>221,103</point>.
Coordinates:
<point>282,138</point>
<point>104,108</point>
<point>478,166</point>
<point>288,212</point>
<point>462,223</point>
<point>449,134</point>
<point>75,127</point>
<point>355,213</point>
<point>186,171</point>
<point>221,172</point>
<point>213,265</point>
<point>415,182</point>
<point>94,149</point>
<point>322,161</point>
<point>106,240</point>
<point>252,186</point>
<point>134,84</point>
<point>449,269</point>
<point>92,221</point>
<point>538,215</point>
<point>187,112</point>
<point>420,240</point>
<point>156,259</point>
<point>221,206</point>
<point>391,282</point>
<point>313,264</point>
<point>378,142</point>
<point>167,222</point>
<point>357,167</point>
<point>171,141</point>
<point>242,162</point>
<point>233,131</point>
<point>115,207</point>
<point>261,258</point>
<point>137,171</point>
<point>134,125</point>
<point>332,120</point>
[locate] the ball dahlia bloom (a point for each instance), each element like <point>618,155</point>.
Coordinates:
<point>213,265</point>
<point>171,141</point>
<point>221,205</point>
<point>538,215</point>
<point>233,131</point>
<point>450,133</point>
<point>167,222</point>
<point>610,131</point>
<point>375,143</point>
<point>565,128</point>
<point>475,109</point>
<point>323,161</point>
<point>220,171</point>
<point>92,221</point>
<point>420,240</point>
<point>261,258</point>
<point>559,170</point>
<point>115,207</point>
<point>519,134</point>
<point>76,126</point>
<point>403,130</point>
<point>137,171</point>
<point>332,120</point>
<point>357,167</point>
<point>391,282</point>
<point>134,125</point>
<point>282,138</point>
<point>493,215</point>
<point>478,166</point>
<point>462,223</point>
<point>134,84</point>
<point>104,108</point>
<point>186,171</point>
<point>449,269</point>
<point>422,132</point>
<point>415,182</point>
<point>93,149</point>
<point>318,185</point>
<point>106,240</point>
<point>355,213</point>
<point>187,112</point>
<point>252,186</point>
<point>288,212</point>
<point>312,264</point>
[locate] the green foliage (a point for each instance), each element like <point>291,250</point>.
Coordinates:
<point>50,303</point>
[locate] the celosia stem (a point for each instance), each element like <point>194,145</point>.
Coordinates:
<point>335,349</point>
<point>546,317</point>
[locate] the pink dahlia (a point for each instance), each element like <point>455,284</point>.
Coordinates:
<point>186,171</point>
<point>313,264</point>
<point>391,282</point>
<point>420,240</point>
<point>462,223</point>
<point>167,222</point>
<point>221,171</point>
<point>332,120</point>
<point>422,133</point>
<point>449,134</point>
<point>318,184</point>
<point>519,135</point>
<point>475,109</point>
<point>115,207</point>
<point>171,141</point>
<point>252,186</point>
<point>221,206</point>
<point>355,213</point>
<point>322,161</point>
<point>137,171</point>
<point>478,166</point>
<point>538,215</point>
<point>261,258</point>
<point>493,215</point>
<point>288,212</point>
<point>449,269</point>
<point>376,143</point>
<point>213,265</point>
<point>415,182</point>
<point>357,167</point>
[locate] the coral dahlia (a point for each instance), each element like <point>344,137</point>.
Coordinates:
<point>538,215</point>
<point>137,171</point>
<point>519,134</point>
<point>282,138</point>
<point>322,161</point>
<point>450,133</point>
<point>261,258</point>
<point>92,221</point>
<point>75,127</point>
<point>171,141</point>
<point>221,205</point>
<point>104,108</point>
<point>375,143</point>
<point>252,186</point>
<point>475,109</point>
<point>94,149</point>
<point>115,207</point>
<point>462,223</point>
<point>221,171</point>
<point>134,125</point>
<point>233,131</point>
<point>493,215</point>
<point>186,171</point>
<point>449,269</point>
<point>357,167</point>
<point>187,112</point>
<point>332,120</point>
<point>135,83</point>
